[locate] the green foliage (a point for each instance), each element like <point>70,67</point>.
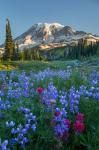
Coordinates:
<point>16,52</point>
<point>32,54</point>
<point>9,44</point>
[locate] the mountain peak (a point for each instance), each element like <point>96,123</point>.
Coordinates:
<point>50,24</point>
<point>51,34</point>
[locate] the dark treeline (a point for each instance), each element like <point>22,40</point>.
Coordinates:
<point>32,54</point>
<point>80,51</point>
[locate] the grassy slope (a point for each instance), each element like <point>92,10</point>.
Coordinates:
<point>41,65</point>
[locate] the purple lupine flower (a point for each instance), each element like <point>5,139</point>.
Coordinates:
<point>10,124</point>
<point>12,141</point>
<point>14,131</point>
<point>24,131</point>
<point>74,98</point>
<point>4,145</point>
<point>25,140</point>
<point>27,126</point>
<point>33,127</point>
<point>49,96</point>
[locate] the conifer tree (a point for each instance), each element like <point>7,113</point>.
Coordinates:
<point>17,51</point>
<point>9,45</point>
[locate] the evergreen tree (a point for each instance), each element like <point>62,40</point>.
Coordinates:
<point>26,54</point>
<point>13,56</point>
<point>17,51</point>
<point>9,44</point>
<point>21,56</point>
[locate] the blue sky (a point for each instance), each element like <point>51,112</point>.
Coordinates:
<point>79,14</point>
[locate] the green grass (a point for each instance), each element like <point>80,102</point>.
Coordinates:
<point>35,66</point>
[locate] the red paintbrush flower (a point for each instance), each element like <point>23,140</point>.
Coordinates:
<point>68,122</point>
<point>80,117</point>
<point>79,127</point>
<point>39,90</point>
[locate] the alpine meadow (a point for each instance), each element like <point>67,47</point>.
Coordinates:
<point>49,75</point>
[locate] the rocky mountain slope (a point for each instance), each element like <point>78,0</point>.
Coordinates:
<point>48,36</point>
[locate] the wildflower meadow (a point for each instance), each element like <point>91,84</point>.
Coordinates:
<point>55,108</point>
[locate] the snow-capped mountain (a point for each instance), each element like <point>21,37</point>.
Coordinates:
<point>48,36</point>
